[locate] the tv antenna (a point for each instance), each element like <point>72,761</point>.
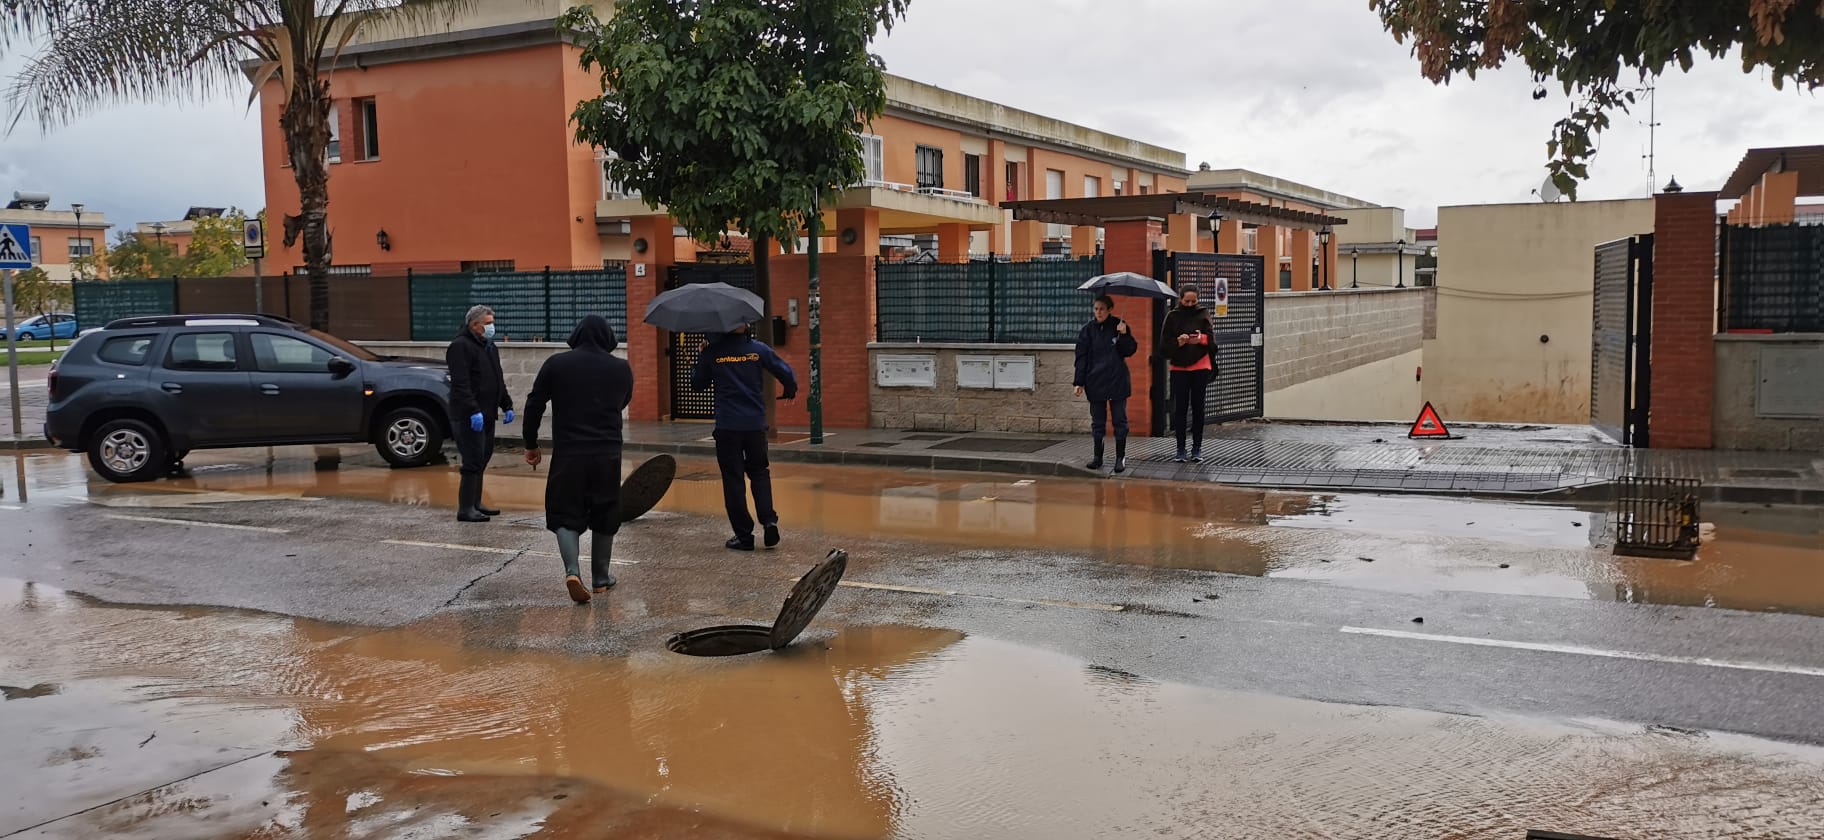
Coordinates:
<point>1652,136</point>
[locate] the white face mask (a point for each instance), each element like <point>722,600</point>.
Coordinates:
<point>487,331</point>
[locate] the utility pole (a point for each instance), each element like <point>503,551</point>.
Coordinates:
<point>1652,136</point>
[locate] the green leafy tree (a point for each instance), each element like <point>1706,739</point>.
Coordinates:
<point>92,53</point>
<point>88,268</point>
<point>35,292</point>
<point>215,246</point>
<point>737,114</point>
<point>137,257</point>
<point>1600,51</point>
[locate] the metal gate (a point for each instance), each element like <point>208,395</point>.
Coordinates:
<point>1621,337</point>
<point>1238,392</point>
<point>686,402</point>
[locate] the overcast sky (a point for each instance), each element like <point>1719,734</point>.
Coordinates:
<point>1311,90</point>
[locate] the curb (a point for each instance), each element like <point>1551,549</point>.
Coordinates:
<point>1724,494</point>
<point>880,459</point>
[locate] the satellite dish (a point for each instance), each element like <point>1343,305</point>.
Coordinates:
<point>1548,191</point>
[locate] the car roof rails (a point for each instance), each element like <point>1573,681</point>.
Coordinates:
<point>201,320</point>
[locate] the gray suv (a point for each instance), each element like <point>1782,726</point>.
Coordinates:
<point>141,393</point>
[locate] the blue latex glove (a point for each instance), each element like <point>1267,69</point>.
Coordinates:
<point>475,422</point>
<point>509,418</point>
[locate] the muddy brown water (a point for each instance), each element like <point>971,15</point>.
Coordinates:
<point>1415,543</point>
<point>212,723</point>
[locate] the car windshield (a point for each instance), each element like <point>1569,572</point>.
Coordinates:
<point>344,346</point>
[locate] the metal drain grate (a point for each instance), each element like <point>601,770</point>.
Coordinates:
<point>1656,517</point>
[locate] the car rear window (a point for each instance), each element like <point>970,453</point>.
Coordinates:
<point>125,349</point>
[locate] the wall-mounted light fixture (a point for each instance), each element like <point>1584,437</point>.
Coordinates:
<point>383,240</point>
<point>639,246</point>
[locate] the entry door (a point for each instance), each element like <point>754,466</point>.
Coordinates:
<point>1238,391</point>
<point>300,398</point>
<point>683,349</point>
<point>205,391</point>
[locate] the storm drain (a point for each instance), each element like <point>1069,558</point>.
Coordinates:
<point>1656,517</point>
<point>808,596</point>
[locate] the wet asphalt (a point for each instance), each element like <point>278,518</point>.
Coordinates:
<point>334,549</point>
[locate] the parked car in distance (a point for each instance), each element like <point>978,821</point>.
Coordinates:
<point>141,393</point>
<point>42,327</point>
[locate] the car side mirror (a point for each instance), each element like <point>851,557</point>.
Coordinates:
<point>340,366</point>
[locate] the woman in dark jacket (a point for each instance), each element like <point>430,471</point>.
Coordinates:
<point>1103,346</point>
<point>1187,342</point>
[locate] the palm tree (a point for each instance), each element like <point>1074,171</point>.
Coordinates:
<point>93,53</point>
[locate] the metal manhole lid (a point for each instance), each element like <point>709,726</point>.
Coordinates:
<point>646,485</point>
<point>808,596</point>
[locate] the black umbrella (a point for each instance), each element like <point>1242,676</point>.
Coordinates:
<point>704,308</point>
<point>1129,284</point>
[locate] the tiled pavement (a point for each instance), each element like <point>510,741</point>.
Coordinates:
<point>1483,460</point>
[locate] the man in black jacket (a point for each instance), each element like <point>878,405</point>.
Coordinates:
<point>732,364</point>
<point>478,389</point>
<point>590,388</point>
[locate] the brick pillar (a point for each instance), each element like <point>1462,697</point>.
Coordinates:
<point>1266,240</point>
<point>1028,238</point>
<point>953,243</point>
<point>1303,249</point>
<point>1180,235</point>
<point>847,317</point>
<point>866,224</point>
<point>1779,198</point>
<point>1128,245</point>
<point>1684,321</point>
<point>1228,239</point>
<point>1083,241</point>
<point>646,343</point>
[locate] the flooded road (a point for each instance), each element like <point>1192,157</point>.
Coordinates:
<point>1757,561</point>
<point>193,722</point>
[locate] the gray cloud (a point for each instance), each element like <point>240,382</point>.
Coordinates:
<point>1311,90</point>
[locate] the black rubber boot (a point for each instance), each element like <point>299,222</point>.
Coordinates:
<point>1120,455</point>
<point>468,496</point>
<point>1096,462</point>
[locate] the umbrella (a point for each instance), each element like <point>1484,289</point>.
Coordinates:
<point>1129,284</point>
<point>704,308</point>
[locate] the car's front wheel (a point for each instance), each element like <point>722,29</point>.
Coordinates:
<point>409,438</point>
<point>27,337</point>
<point>127,451</point>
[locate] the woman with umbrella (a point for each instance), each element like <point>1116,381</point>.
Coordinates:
<point>1187,341</point>
<point>1103,347</point>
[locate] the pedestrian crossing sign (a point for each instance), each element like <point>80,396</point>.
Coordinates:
<point>16,246</point>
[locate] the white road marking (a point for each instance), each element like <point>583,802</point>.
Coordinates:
<point>488,549</point>
<point>1047,602</point>
<point>163,521</point>
<point>1580,650</point>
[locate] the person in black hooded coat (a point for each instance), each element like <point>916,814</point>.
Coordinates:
<point>589,387</point>
<point>1103,347</point>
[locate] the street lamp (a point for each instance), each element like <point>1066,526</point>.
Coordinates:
<point>77,209</point>
<point>1323,250</point>
<point>158,230</point>
<point>1355,267</point>
<point>1400,278</point>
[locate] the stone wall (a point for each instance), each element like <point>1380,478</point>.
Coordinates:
<point>1314,335</point>
<point>1789,417</point>
<point>519,360</point>
<point>1049,407</point>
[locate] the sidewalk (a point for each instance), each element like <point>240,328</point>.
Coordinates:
<point>1546,461</point>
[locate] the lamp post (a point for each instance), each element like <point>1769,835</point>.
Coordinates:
<point>77,209</point>
<point>1355,267</point>
<point>158,230</point>
<point>1399,281</point>
<point>1323,251</point>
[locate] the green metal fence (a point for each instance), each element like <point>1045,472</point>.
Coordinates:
<point>100,301</point>
<point>983,301</point>
<point>528,306</point>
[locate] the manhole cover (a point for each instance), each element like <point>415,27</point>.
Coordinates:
<point>808,596</point>
<point>647,484</point>
<point>927,437</point>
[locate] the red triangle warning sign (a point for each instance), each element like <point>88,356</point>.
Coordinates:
<point>1429,425</point>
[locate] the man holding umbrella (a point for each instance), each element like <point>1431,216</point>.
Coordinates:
<point>732,362</point>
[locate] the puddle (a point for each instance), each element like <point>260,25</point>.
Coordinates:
<point>1758,560</point>
<point>283,728</point>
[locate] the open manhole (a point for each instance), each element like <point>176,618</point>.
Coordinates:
<point>808,596</point>
<point>646,485</point>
